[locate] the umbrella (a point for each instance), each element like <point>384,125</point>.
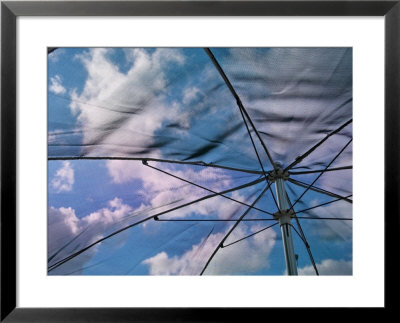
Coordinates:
<point>192,161</point>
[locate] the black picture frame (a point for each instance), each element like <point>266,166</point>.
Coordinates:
<point>10,10</point>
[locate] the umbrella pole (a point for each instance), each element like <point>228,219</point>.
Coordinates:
<point>284,216</point>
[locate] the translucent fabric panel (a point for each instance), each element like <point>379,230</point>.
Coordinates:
<point>295,96</point>
<point>170,103</point>
<point>331,247</point>
<point>155,154</point>
<point>335,151</point>
<point>157,202</point>
<point>326,223</point>
<point>336,183</point>
<point>265,257</point>
<point>313,198</point>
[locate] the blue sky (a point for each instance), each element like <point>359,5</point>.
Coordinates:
<point>172,104</point>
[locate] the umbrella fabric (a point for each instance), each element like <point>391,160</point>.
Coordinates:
<point>160,160</point>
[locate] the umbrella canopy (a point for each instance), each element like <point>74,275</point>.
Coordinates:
<point>167,160</point>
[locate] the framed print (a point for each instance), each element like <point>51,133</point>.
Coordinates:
<point>173,161</point>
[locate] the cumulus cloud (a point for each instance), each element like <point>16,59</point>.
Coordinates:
<point>63,180</point>
<point>246,257</point>
<point>161,189</point>
<point>123,171</point>
<point>329,267</point>
<point>190,94</point>
<point>123,105</point>
<point>106,216</point>
<point>63,222</point>
<point>55,85</point>
<point>68,232</point>
<point>158,192</point>
<point>157,107</point>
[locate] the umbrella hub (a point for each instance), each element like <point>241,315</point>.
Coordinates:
<point>278,173</point>
<point>284,216</point>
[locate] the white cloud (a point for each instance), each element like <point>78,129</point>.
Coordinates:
<point>56,86</point>
<point>147,110</point>
<point>190,94</point>
<point>131,104</point>
<point>116,211</point>
<point>160,189</point>
<point>245,257</point>
<point>65,230</point>
<point>329,267</point>
<point>63,222</point>
<point>161,264</point>
<point>64,178</point>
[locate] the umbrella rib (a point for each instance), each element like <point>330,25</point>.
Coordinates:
<point>90,104</point>
<point>205,188</point>
<point>239,103</point>
<point>212,220</point>
<point>320,170</point>
<point>254,145</point>
<point>273,195</point>
<point>319,190</point>
<point>232,228</point>
<point>308,152</point>
<point>250,235</point>
<point>66,245</point>
<point>303,238</point>
<point>200,248</point>
<point>62,261</point>
<point>319,218</point>
<point>51,49</point>
<point>195,163</point>
<point>306,190</point>
<point>326,203</point>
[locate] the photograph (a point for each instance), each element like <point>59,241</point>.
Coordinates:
<point>187,161</point>
<point>199,161</point>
